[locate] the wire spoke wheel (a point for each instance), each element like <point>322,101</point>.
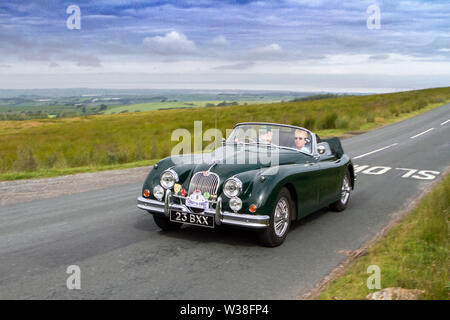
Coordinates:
<point>281,219</point>
<point>344,198</point>
<point>345,190</point>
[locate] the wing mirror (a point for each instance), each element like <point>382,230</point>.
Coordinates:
<point>321,150</point>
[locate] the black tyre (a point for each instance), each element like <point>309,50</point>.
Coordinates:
<point>280,221</point>
<point>165,224</point>
<point>346,188</point>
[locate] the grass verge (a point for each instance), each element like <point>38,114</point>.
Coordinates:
<point>411,255</point>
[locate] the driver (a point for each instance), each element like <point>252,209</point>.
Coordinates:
<point>265,134</point>
<point>302,141</point>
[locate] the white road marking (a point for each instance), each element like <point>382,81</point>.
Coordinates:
<point>377,170</point>
<point>409,173</point>
<point>426,175</point>
<point>359,168</point>
<point>419,134</point>
<point>445,122</point>
<point>366,154</point>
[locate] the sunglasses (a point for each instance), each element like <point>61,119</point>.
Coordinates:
<point>300,138</point>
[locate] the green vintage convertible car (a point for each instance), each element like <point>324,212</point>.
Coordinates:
<point>264,176</point>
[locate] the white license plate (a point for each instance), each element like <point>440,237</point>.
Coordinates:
<point>192,218</point>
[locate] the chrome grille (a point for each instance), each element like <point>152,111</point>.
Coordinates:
<point>204,183</point>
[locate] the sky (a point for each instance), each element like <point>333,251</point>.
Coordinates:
<point>295,45</point>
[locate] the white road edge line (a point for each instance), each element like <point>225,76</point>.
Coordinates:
<point>366,154</point>
<point>445,122</point>
<point>421,133</point>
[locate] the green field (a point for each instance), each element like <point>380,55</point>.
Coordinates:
<point>29,111</point>
<point>152,106</point>
<point>412,255</point>
<point>65,103</point>
<point>107,140</point>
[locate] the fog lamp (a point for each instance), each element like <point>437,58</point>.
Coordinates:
<point>158,192</point>
<point>235,204</point>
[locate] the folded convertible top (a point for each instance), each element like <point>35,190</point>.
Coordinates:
<point>335,145</point>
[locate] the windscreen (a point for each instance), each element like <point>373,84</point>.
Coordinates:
<point>289,137</point>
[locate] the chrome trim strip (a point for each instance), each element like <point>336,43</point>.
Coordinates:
<point>221,217</point>
<point>219,211</point>
<point>212,166</point>
<point>150,205</point>
<point>167,203</point>
<point>248,220</point>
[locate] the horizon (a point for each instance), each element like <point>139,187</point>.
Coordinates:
<point>101,91</point>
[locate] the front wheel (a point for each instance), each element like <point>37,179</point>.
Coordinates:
<point>346,187</point>
<point>165,224</point>
<point>280,221</point>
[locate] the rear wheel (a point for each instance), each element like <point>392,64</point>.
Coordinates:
<point>280,221</point>
<point>165,224</point>
<point>346,188</point>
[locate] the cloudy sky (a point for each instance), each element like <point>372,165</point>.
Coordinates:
<point>300,45</point>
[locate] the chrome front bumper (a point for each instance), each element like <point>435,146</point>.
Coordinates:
<point>220,217</point>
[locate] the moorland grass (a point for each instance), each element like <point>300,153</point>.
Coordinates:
<point>412,255</point>
<point>43,145</point>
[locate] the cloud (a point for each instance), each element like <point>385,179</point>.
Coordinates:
<point>236,66</point>
<point>271,51</point>
<point>173,43</point>
<point>83,60</point>
<point>379,57</point>
<point>14,40</point>
<point>220,41</point>
<point>99,16</point>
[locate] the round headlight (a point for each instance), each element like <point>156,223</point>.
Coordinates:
<point>168,179</point>
<point>158,192</point>
<point>235,204</point>
<point>232,187</point>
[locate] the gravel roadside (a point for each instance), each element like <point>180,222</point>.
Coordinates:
<point>34,189</point>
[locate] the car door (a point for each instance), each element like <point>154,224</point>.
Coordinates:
<point>307,185</point>
<point>330,179</point>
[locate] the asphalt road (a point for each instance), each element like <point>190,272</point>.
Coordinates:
<point>122,253</point>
